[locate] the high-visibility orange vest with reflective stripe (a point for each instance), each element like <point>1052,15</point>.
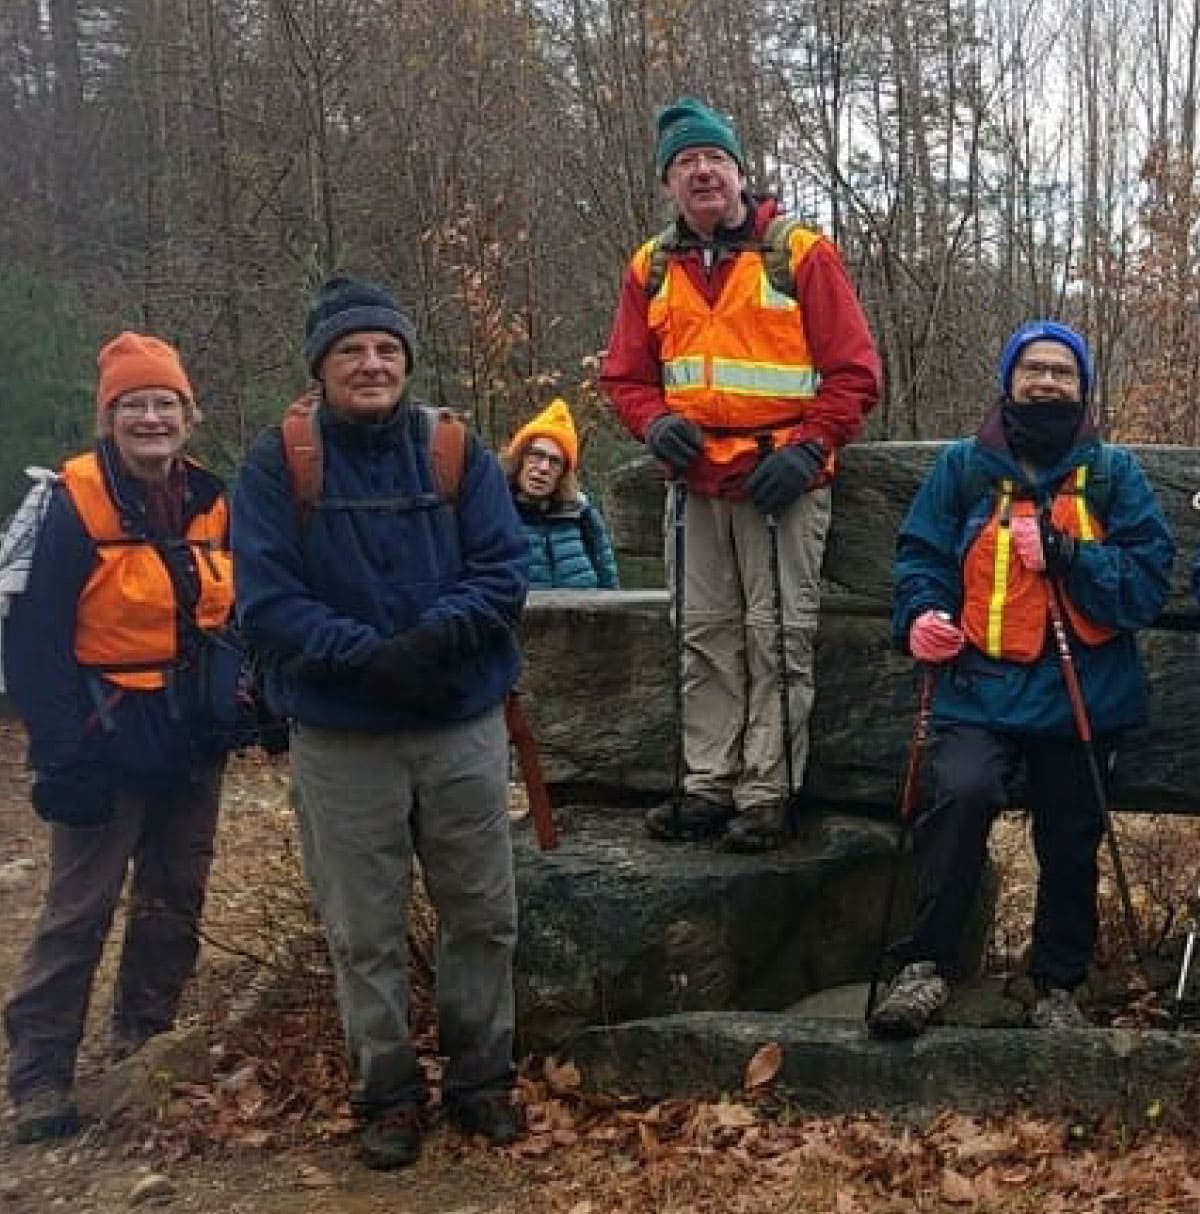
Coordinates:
<point>126,623</point>
<point>740,364</point>
<point>1006,605</point>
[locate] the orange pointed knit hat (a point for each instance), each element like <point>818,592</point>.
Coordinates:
<point>554,422</point>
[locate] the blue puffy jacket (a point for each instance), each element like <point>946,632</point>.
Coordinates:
<point>1121,582</point>
<point>569,548</point>
<point>139,735</point>
<point>318,594</point>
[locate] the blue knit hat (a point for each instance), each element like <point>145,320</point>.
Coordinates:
<point>1045,330</point>
<point>346,305</point>
<point>689,123</point>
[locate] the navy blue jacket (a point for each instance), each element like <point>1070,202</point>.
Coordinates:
<point>1120,582</point>
<point>318,594</point>
<point>569,548</point>
<point>143,734</point>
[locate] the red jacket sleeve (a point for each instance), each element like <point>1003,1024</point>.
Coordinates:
<point>842,350</point>
<point>631,374</point>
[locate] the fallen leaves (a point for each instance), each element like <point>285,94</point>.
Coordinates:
<point>764,1066</point>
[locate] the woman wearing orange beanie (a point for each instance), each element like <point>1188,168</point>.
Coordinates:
<point>117,659</point>
<point>569,548</point>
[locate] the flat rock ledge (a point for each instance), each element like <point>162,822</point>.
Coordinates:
<point>832,1068</point>
<point>617,927</point>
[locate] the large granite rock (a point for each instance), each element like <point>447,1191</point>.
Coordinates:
<point>831,1067</point>
<point>615,926</point>
<point>598,681</point>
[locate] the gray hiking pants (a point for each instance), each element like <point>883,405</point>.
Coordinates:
<point>368,803</point>
<point>168,837</point>
<point>733,738</point>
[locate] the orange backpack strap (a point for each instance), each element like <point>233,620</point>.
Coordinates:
<point>302,451</point>
<point>448,453</point>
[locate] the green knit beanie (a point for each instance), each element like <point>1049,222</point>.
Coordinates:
<point>689,123</point>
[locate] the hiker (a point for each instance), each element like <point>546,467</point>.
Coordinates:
<point>117,659</point>
<point>569,548</point>
<point>384,602</point>
<point>740,355</point>
<point>1034,505</point>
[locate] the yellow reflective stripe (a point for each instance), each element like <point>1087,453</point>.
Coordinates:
<point>763,379</point>
<point>770,298</point>
<point>995,618</point>
<point>684,372</point>
<point>1081,507</point>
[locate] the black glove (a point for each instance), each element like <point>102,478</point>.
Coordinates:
<point>784,474</point>
<point>1058,547</point>
<point>409,671</point>
<point>674,440</point>
<point>76,794</point>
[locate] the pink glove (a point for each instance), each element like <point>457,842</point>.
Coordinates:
<point>935,637</point>
<point>1027,540</point>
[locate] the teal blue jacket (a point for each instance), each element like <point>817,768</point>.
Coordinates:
<point>1120,582</point>
<point>569,548</point>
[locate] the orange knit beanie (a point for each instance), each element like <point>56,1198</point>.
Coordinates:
<point>135,360</point>
<point>553,422</point>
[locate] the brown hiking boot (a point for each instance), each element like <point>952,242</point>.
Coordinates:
<point>699,818</point>
<point>45,1114</point>
<point>391,1139</point>
<point>1056,1009</point>
<point>758,828</point>
<point>491,1114</point>
<point>915,998</point>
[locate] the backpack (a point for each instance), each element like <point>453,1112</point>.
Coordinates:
<point>18,543</point>
<point>1098,491</point>
<point>775,247</point>
<point>304,456</point>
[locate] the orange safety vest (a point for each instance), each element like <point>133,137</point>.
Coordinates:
<point>126,621</point>
<point>741,364</point>
<point>1006,605</point>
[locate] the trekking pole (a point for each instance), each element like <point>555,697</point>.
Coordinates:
<point>908,804</point>
<point>678,513</point>
<point>1185,968</point>
<point>765,446</point>
<point>1084,729</point>
<point>540,810</point>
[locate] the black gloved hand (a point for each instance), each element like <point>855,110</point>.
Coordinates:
<point>409,670</point>
<point>1058,547</point>
<point>674,440</point>
<point>75,794</point>
<point>784,474</point>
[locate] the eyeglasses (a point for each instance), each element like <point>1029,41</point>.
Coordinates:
<point>695,157</point>
<point>143,408</point>
<point>535,455</point>
<point>1061,373</point>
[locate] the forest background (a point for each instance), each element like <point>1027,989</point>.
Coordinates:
<point>196,167</point>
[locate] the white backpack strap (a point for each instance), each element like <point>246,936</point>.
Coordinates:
<point>18,543</point>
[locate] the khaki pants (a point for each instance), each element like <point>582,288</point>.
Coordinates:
<point>368,804</point>
<point>733,746</point>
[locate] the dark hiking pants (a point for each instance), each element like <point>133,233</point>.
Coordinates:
<point>168,838</point>
<point>976,776</point>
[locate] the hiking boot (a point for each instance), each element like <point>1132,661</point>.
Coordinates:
<point>759,828</point>
<point>491,1114</point>
<point>699,818</point>
<point>391,1139</point>
<point>917,995</point>
<point>45,1114</point>
<point>1057,1009</point>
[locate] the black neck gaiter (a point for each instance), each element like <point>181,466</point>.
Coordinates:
<point>1041,431</point>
